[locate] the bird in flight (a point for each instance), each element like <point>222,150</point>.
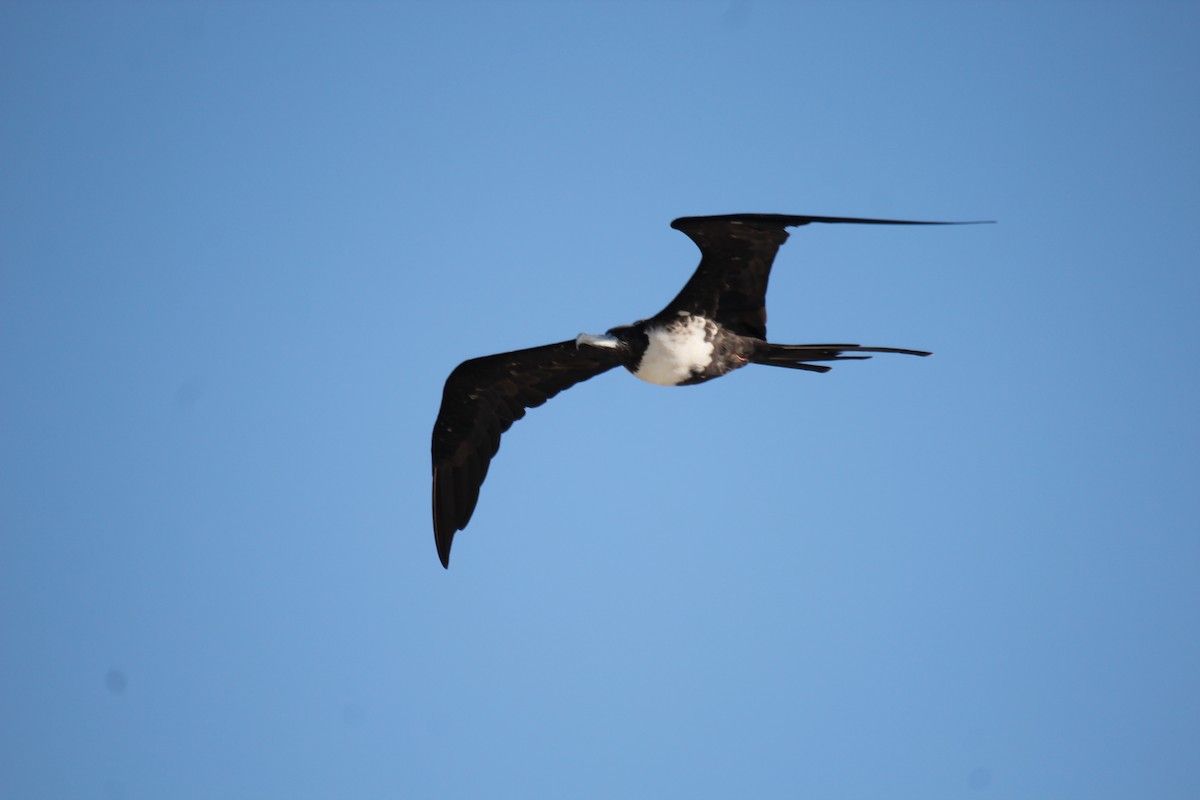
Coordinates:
<point>716,324</point>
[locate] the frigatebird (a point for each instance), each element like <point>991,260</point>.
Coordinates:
<point>716,324</point>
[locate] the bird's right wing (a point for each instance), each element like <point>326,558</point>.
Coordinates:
<point>483,397</point>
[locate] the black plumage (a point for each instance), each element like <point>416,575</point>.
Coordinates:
<point>483,397</point>
<point>717,323</point>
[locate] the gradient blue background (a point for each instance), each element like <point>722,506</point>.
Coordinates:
<point>242,245</point>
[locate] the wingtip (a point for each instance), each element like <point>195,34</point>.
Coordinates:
<point>796,220</point>
<point>443,548</point>
<point>442,539</point>
<point>443,543</point>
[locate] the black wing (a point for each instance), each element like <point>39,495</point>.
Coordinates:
<point>736,253</point>
<point>482,399</point>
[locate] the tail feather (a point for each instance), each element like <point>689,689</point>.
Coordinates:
<point>799,356</point>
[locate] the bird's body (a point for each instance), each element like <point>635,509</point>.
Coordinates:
<point>685,350</point>
<point>716,324</point>
<point>676,352</point>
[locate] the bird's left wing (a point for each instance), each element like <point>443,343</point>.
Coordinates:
<point>483,397</point>
<point>736,254</point>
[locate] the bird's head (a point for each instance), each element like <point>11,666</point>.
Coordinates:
<point>628,340</point>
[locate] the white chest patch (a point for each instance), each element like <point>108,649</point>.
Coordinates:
<point>676,351</point>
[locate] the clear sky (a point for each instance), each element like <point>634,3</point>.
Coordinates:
<point>243,244</point>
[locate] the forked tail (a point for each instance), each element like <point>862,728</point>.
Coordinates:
<point>799,356</point>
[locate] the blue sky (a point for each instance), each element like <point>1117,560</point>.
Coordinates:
<point>243,244</point>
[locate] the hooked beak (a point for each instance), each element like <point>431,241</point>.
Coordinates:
<point>597,340</point>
